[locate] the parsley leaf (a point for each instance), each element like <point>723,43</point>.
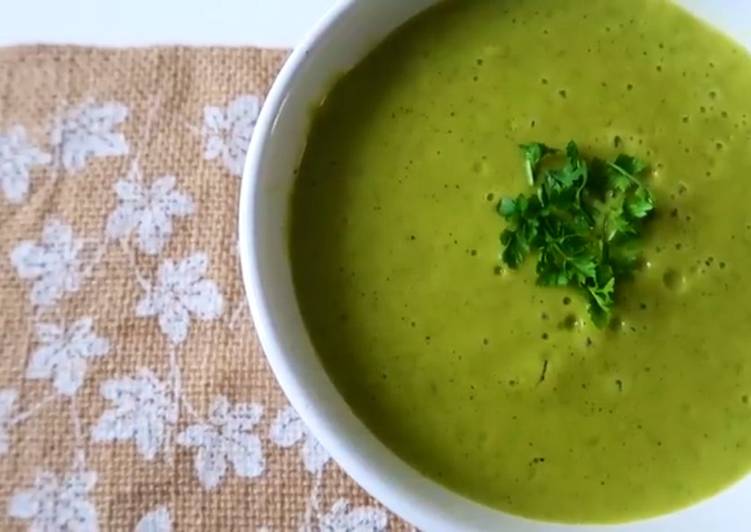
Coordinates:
<point>533,154</point>
<point>522,214</point>
<point>583,219</point>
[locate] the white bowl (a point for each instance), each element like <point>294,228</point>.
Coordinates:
<point>339,41</point>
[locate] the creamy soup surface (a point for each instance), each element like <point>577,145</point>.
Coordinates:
<point>466,369</point>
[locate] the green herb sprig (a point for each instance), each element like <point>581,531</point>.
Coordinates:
<point>584,219</point>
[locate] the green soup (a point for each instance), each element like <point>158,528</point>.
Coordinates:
<point>467,371</point>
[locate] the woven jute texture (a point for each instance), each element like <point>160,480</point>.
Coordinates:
<point>133,391</point>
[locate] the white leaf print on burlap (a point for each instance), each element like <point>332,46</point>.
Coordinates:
<point>148,211</point>
<point>7,403</point>
<point>88,130</point>
<point>227,132</point>
<point>157,520</point>
<point>63,354</point>
<point>360,519</point>
<point>55,504</point>
<point>288,429</point>
<point>142,410</point>
<point>226,439</point>
<point>181,291</point>
<point>53,264</point>
<point>17,157</point>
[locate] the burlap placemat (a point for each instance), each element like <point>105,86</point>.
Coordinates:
<point>133,391</point>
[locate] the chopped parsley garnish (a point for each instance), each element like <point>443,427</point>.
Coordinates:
<point>583,220</point>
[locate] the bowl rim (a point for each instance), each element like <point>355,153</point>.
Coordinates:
<point>294,391</point>
<point>395,495</point>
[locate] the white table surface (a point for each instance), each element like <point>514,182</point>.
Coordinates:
<point>273,23</point>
